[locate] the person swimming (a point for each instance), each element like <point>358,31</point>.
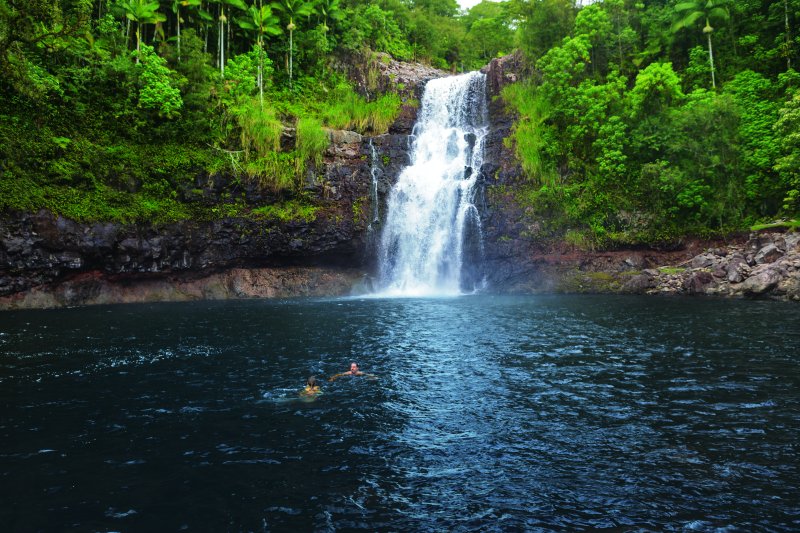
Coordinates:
<point>354,371</point>
<point>312,387</point>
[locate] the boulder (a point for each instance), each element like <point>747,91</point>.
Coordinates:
<point>737,269</point>
<point>639,284</point>
<point>698,282</point>
<point>757,241</point>
<point>768,254</point>
<point>719,271</point>
<point>703,260</point>
<point>338,137</point>
<point>762,282</point>
<point>791,241</point>
<point>635,261</point>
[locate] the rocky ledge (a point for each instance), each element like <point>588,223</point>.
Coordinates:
<point>765,265</point>
<point>98,287</point>
<point>50,261</point>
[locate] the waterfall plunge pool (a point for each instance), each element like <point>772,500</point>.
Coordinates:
<point>489,413</point>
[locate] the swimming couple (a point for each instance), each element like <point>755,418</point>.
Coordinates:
<point>312,385</point>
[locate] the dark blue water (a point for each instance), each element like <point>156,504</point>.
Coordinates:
<point>490,413</point>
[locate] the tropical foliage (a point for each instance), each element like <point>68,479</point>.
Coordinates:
<point>636,121</point>
<point>637,126</point>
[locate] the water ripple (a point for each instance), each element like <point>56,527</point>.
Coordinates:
<point>488,413</point>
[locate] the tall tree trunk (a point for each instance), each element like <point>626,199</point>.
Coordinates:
<point>178,14</point>
<point>261,74</point>
<point>222,40</point>
<point>206,31</point>
<point>228,43</point>
<point>291,53</point>
<point>138,40</point>
<point>787,33</point>
<point>711,62</point>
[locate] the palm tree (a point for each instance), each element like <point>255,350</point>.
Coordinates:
<point>292,9</point>
<point>261,20</point>
<point>176,8</point>
<point>141,12</point>
<point>329,9</point>
<point>692,11</point>
<point>223,19</point>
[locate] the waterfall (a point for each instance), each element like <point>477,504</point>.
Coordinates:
<point>431,239</point>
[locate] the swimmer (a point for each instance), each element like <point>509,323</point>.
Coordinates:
<point>354,371</point>
<point>312,387</point>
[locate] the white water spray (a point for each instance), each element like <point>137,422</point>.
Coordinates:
<point>431,216</point>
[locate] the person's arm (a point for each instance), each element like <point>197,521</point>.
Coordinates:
<point>337,376</point>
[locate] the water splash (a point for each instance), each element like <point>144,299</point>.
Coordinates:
<point>432,236</point>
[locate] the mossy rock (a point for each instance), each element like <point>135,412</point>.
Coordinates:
<point>589,282</point>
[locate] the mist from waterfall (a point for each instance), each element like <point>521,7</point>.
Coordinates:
<point>431,242</point>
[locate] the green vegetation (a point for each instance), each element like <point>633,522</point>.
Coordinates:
<point>130,110</point>
<point>638,122</point>
<point>638,127</point>
<point>671,270</point>
<point>793,225</point>
<point>349,111</point>
<point>291,210</point>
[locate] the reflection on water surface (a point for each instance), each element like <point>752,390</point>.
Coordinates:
<point>490,413</point>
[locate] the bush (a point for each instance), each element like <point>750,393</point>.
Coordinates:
<point>311,141</point>
<point>349,111</point>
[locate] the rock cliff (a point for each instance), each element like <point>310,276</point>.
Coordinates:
<point>48,254</point>
<point>48,260</point>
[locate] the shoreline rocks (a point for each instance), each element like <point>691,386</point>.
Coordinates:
<point>97,288</point>
<point>766,266</point>
<point>763,266</point>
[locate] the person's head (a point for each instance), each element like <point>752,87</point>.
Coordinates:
<point>311,382</point>
<point>353,368</point>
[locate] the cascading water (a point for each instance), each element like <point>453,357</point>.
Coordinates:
<point>432,234</point>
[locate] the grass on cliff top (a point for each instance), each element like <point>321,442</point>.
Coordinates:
<point>780,224</point>
<point>349,111</point>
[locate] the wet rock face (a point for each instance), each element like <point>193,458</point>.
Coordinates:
<point>507,228</point>
<point>377,73</point>
<point>41,248</point>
